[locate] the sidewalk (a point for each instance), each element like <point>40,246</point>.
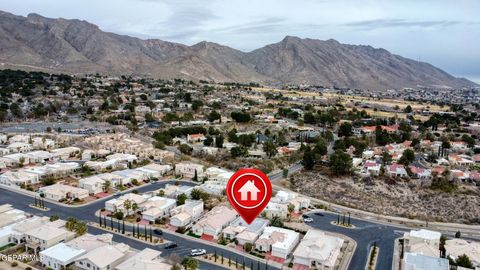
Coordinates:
<point>212,244</point>
<point>467,230</point>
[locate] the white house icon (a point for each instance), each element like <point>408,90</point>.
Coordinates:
<point>249,187</point>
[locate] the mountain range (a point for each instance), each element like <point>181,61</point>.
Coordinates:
<point>74,46</point>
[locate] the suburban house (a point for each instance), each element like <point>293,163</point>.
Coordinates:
<point>194,138</point>
<point>274,209</point>
<point>396,170</point>
<point>19,147</point>
<point>93,184</point>
<point>17,178</point>
<point>157,207</point>
<point>64,255</point>
<point>145,260</point>
<point>318,250</point>
<point>419,261</point>
<point>423,242</point>
<point>214,221</point>
<point>65,153</point>
<point>103,258</point>
<point>172,191</point>
<point>47,235</point>
<point>243,232</point>
<point>58,192</point>
<point>187,170</point>
<point>371,168</point>
<point>280,242</point>
<point>118,204</point>
<point>184,214</point>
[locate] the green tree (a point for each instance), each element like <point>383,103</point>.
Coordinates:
<point>238,151</point>
<point>464,261</point>
<point>106,185</point>
<point>340,163</point>
<point>248,247</point>
<point>320,148</point>
<point>290,208</point>
<point>241,117</point>
<point>190,263</point>
<point>386,158</point>
<point>308,158</point>
<point>309,118</point>
<point>185,149</point>
<point>213,116</point>
<point>127,204</point>
<point>196,194</point>
<point>181,199</point>
<point>270,148</point>
<point>219,141</point>
<point>345,130</point>
<point>81,228</point>
<point>408,109</point>
<point>407,157</point>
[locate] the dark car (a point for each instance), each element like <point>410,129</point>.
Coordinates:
<point>305,216</point>
<point>158,231</point>
<point>319,214</point>
<point>171,245</point>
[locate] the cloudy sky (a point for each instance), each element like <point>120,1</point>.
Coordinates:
<point>443,32</point>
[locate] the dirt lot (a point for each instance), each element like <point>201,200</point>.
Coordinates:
<point>401,199</point>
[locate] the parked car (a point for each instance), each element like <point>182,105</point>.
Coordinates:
<point>319,214</point>
<point>305,216</point>
<point>158,231</point>
<point>170,245</point>
<point>198,252</point>
<point>307,219</point>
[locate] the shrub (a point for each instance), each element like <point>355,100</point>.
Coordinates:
<point>14,264</point>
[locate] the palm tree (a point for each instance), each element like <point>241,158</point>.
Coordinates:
<point>127,204</point>
<point>81,228</point>
<point>134,207</point>
<point>70,224</point>
<point>106,186</point>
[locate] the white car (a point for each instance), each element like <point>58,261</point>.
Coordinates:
<point>198,252</point>
<point>307,219</point>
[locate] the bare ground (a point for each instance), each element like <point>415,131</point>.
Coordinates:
<point>402,199</point>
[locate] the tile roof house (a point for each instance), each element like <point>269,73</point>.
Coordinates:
<point>280,242</point>
<point>244,232</point>
<point>58,192</point>
<point>423,242</point>
<point>215,221</point>
<point>396,170</point>
<point>47,235</point>
<point>157,207</point>
<point>186,213</point>
<point>318,249</point>
<point>147,259</point>
<point>64,255</point>
<point>118,204</point>
<point>103,258</point>
<point>187,170</point>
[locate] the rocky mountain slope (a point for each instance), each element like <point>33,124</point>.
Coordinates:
<point>74,46</point>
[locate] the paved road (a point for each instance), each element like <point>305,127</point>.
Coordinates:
<point>87,212</point>
<point>365,234</point>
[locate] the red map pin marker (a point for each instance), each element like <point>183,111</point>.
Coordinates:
<point>249,191</point>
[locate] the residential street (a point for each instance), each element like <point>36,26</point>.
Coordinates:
<point>365,233</point>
